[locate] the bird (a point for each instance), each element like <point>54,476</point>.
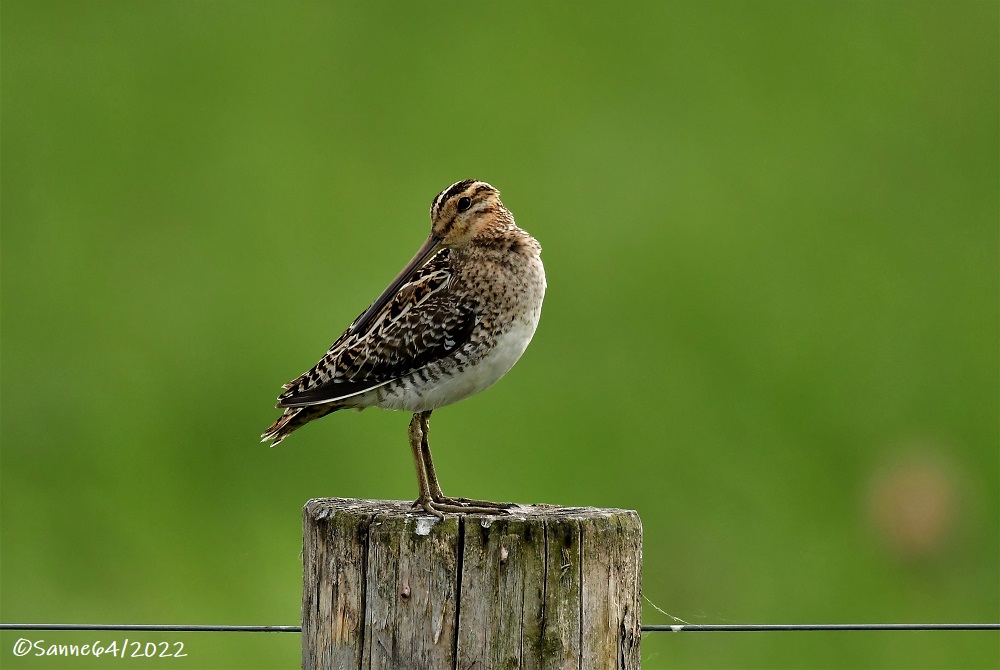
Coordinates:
<point>452,323</point>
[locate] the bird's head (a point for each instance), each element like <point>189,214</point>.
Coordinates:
<point>461,213</point>
<point>464,211</point>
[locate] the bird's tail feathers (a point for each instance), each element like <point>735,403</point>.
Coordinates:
<point>294,418</point>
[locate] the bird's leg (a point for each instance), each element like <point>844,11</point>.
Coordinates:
<point>431,500</point>
<point>437,495</point>
<point>425,453</point>
<point>424,499</point>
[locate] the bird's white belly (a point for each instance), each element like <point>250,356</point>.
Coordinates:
<point>413,395</point>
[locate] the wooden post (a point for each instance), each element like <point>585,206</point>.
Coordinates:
<point>543,587</point>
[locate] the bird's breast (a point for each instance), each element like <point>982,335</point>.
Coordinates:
<point>508,301</point>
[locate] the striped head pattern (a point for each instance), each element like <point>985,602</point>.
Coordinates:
<point>465,210</point>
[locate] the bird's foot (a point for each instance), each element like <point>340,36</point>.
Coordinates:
<point>475,503</point>
<point>444,505</point>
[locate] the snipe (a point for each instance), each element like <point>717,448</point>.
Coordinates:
<point>452,323</point>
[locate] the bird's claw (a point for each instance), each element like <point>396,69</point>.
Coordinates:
<point>444,505</point>
<point>476,503</point>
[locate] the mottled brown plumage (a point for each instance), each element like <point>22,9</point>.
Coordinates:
<point>452,323</point>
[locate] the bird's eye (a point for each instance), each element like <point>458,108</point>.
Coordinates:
<point>464,204</point>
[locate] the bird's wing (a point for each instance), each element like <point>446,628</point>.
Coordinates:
<point>420,324</point>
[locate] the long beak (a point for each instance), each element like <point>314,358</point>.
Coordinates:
<point>430,247</point>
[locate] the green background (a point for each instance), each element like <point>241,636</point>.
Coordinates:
<point>771,237</point>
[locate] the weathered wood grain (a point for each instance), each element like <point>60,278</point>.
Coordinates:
<point>334,555</point>
<point>503,576</point>
<point>412,586</point>
<point>542,588</point>
<point>611,549</point>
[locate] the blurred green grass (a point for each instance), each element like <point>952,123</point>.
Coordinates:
<point>772,325</point>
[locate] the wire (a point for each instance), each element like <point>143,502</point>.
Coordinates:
<point>654,628</point>
<point>151,627</point>
<point>753,628</point>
